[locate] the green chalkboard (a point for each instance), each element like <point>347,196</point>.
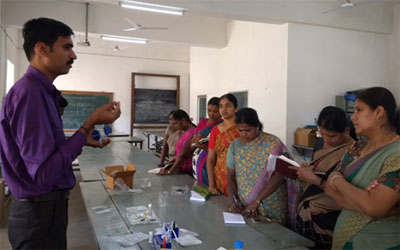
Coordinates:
<point>80,105</point>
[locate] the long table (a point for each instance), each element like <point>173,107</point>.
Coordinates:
<point>203,218</point>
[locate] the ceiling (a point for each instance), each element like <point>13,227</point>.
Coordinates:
<point>205,21</point>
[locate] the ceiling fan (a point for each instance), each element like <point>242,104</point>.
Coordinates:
<point>347,4</point>
<point>138,26</point>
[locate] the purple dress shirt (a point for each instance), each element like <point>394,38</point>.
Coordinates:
<point>36,157</point>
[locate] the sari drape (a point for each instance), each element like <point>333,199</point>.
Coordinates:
<point>183,140</point>
<point>222,142</point>
<point>200,156</point>
<point>250,162</point>
<point>317,212</point>
<point>354,229</point>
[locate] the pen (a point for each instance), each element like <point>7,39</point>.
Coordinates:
<point>304,158</point>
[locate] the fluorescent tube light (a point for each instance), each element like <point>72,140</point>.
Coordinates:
<point>152,7</point>
<point>123,39</point>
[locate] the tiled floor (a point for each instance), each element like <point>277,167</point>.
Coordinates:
<point>80,234</point>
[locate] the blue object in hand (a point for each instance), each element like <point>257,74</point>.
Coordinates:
<point>107,130</point>
<point>96,135</point>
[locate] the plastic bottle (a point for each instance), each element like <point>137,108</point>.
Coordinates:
<point>238,245</point>
<point>150,210</point>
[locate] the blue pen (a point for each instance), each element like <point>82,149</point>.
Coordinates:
<point>304,158</point>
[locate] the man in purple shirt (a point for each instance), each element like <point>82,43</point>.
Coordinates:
<point>36,157</point>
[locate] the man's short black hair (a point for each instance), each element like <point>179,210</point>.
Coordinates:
<point>44,30</point>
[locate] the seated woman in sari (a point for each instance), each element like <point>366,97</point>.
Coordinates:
<point>369,218</point>
<point>317,212</point>
<point>200,148</point>
<point>247,170</point>
<point>183,162</point>
<point>220,138</point>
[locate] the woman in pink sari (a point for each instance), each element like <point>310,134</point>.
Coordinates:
<point>183,162</point>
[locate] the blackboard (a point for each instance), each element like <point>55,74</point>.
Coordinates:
<point>80,105</point>
<point>152,106</point>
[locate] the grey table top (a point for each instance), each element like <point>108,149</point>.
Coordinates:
<point>203,218</point>
<point>93,160</point>
<point>127,139</point>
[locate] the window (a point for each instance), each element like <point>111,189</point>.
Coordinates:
<point>10,75</point>
<point>241,98</point>
<point>202,107</point>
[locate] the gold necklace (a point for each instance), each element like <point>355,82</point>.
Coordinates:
<point>362,153</point>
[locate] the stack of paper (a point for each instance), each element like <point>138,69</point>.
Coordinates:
<point>231,218</point>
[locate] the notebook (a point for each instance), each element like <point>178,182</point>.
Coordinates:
<point>282,166</point>
<point>231,218</point>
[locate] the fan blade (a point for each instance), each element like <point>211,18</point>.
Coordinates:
<point>327,11</point>
<point>131,29</point>
<point>154,28</point>
<point>363,3</point>
<point>130,21</point>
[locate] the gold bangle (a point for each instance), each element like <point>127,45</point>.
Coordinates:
<point>259,202</point>
<point>332,179</point>
<point>169,172</point>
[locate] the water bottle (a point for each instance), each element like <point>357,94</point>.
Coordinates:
<point>238,245</point>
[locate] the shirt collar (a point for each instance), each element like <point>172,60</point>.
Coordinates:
<point>44,81</point>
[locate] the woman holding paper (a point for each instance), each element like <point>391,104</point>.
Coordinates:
<point>247,171</point>
<point>317,212</point>
<point>370,215</point>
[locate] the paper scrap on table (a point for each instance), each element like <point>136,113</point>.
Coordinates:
<point>75,162</point>
<point>231,218</point>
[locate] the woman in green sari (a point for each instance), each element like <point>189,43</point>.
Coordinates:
<point>370,217</point>
<point>247,171</point>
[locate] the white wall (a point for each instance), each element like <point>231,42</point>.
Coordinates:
<point>324,62</point>
<point>12,48</point>
<point>2,52</point>
<point>113,74</point>
<point>395,48</point>
<point>254,61</point>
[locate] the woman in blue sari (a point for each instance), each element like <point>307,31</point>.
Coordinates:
<point>370,217</point>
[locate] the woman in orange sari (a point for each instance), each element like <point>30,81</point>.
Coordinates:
<point>220,138</point>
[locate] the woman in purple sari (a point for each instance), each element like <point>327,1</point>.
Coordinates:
<point>202,131</point>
